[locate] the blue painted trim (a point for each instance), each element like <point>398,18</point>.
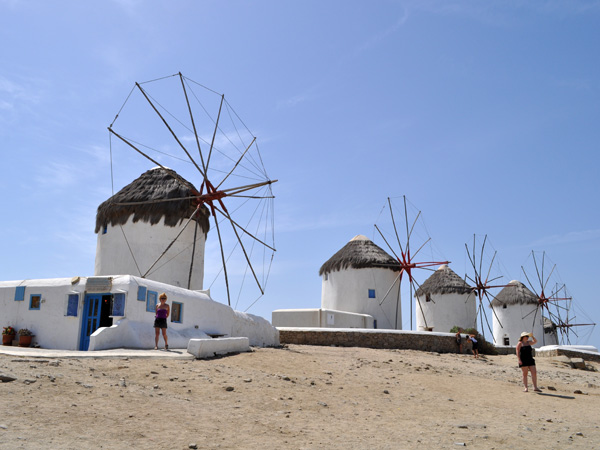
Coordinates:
<point>92,309</point>
<point>141,294</point>
<point>72,305</point>
<point>180,312</point>
<point>372,293</point>
<point>19,293</point>
<point>151,300</point>
<point>118,304</point>
<point>31,301</point>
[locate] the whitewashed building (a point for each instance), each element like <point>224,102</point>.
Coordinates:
<point>116,307</point>
<point>360,289</point>
<point>516,309</point>
<point>445,300</point>
<point>97,313</point>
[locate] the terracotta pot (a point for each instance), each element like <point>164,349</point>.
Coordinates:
<point>7,339</point>
<point>25,341</point>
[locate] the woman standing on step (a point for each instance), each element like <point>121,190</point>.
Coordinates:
<point>160,321</point>
<point>526,361</point>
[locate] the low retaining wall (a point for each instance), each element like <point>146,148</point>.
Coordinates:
<point>397,339</point>
<point>587,356</point>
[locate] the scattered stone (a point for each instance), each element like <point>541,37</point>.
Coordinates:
<point>229,388</point>
<point>4,427</point>
<point>462,426</point>
<point>122,382</point>
<point>27,381</point>
<point>578,391</point>
<point>54,363</point>
<point>6,378</point>
<point>248,380</point>
<point>549,420</point>
<point>551,388</point>
<point>462,444</point>
<point>156,386</point>
<point>322,404</point>
<point>154,372</point>
<point>193,446</point>
<point>579,434</point>
<point>286,378</point>
<point>578,363</point>
<point>385,391</point>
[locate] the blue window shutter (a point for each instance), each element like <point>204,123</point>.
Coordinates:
<point>371,293</point>
<point>141,295</point>
<point>72,305</point>
<point>177,312</point>
<point>20,293</point>
<point>151,301</point>
<point>118,305</point>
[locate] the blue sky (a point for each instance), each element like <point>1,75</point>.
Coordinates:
<point>484,114</point>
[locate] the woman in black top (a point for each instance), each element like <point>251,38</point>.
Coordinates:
<point>526,361</point>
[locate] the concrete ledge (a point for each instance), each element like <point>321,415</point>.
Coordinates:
<point>207,348</point>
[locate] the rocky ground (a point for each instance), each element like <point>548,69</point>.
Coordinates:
<point>297,397</point>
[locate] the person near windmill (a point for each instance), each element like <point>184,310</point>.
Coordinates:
<point>526,361</point>
<point>160,321</point>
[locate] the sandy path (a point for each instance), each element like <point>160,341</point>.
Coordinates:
<point>298,397</point>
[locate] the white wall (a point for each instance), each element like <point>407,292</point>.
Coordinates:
<point>445,311</point>
<point>51,326</point>
<point>513,320</point>
<point>347,290</point>
<point>320,318</point>
<point>201,315</point>
<point>148,242</point>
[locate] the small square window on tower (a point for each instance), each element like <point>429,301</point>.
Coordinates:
<point>372,293</point>
<point>427,297</point>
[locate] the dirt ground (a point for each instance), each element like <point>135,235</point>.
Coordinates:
<point>297,397</point>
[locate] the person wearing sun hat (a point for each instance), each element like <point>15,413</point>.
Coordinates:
<point>526,361</point>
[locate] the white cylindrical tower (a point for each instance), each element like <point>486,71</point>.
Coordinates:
<point>444,301</point>
<point>136,226</point>
<point>516,309</point>
<point>362,278</point>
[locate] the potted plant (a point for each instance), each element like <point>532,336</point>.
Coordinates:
<point>25,337</point>
<point>8,335</point>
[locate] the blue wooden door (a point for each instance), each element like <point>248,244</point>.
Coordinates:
<point>91,319</point>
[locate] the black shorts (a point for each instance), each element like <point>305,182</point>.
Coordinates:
<point>160,323</point>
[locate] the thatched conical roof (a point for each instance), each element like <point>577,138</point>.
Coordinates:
<point>359,253</point>
<point>444,281</point>
<point>155,184</point>
<point>515,293</point>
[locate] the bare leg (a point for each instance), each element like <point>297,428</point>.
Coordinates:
<point>533,371</point>
<point>164,333</point>
<point>156,331</point>
<point>524,370</point>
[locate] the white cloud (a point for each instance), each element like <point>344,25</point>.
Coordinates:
<point>568,238</point>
